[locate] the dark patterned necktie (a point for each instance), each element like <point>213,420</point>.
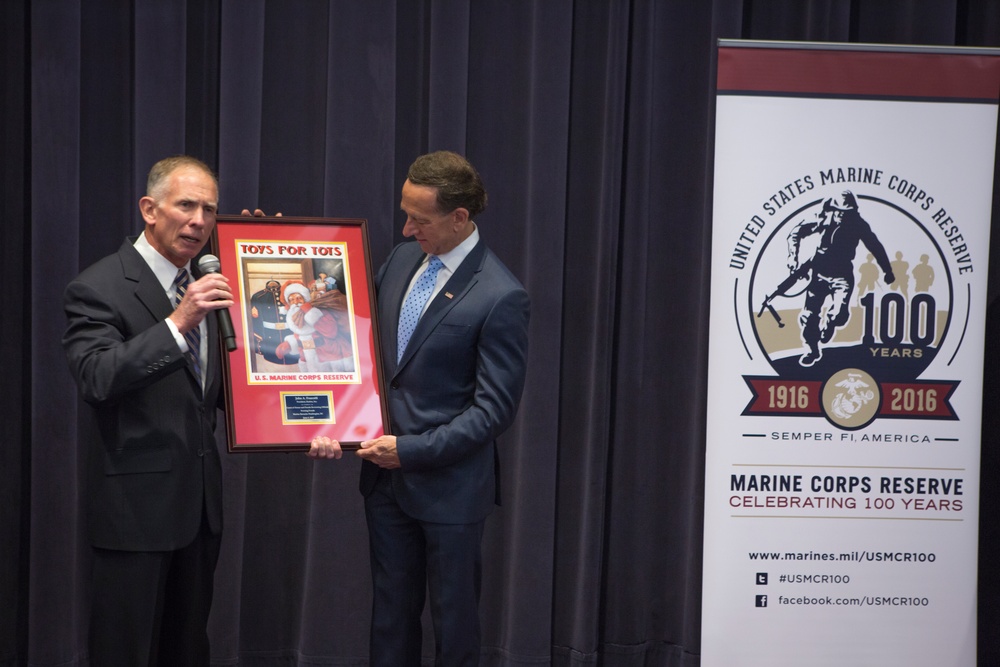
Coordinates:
<point>414,305</point>
<point>193,337</point>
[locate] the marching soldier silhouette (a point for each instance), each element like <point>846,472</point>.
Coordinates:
<point>829,273</point>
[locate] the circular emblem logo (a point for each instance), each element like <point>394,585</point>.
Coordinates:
<point>851,292</point>
<point>851,399</point>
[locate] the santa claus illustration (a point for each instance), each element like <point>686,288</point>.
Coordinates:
<point>320,332</point>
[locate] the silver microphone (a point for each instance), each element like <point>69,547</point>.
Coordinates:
<point>211,264</point>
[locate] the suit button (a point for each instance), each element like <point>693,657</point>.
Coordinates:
<point>394,384</point>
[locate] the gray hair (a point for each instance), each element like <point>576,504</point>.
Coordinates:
<point>156,182</point>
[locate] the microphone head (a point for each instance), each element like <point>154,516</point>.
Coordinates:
<point>209,264</point>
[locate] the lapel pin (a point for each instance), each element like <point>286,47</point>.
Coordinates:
<point>449,295</point>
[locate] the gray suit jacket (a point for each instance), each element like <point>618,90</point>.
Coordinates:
<point>457,386</point>
<point>148,427</point>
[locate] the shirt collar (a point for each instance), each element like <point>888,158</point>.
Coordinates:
<point>162,268</point>
<point>454,257</point>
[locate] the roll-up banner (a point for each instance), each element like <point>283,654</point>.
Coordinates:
<point>852,196</point>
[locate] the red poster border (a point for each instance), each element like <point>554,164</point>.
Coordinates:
<point>273,408</point>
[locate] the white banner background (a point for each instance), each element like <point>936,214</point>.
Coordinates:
<point>840,569</point>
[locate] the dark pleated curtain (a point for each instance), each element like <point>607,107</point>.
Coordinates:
<point>591,122</point>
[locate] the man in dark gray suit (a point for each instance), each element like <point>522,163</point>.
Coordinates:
<point>455,363</point>
<point>146,360</point>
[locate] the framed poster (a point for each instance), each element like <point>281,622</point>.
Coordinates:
<point>305,362</point>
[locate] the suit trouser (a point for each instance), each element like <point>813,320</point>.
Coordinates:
<point>409,557</point>
<point>151,608</point>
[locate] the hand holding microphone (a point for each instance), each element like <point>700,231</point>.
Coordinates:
<point>211,264</point>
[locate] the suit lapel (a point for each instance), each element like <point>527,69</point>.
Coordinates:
<point>450,295</point>
<point>214,353</point>
<point>393,290</point>
<point>456,288</point>
<point>148,290</point>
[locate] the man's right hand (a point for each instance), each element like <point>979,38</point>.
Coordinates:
<point>208,293</point>
<point>323,447</point>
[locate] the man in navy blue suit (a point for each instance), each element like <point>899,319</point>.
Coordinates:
<point>453,386</point>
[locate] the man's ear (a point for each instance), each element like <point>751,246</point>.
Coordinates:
<point>461,215</point>
<point>147,205</point>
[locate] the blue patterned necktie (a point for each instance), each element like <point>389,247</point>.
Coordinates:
<point>415,302</point>
<point>193,337</point>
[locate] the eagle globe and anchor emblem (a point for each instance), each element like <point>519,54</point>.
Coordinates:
<point>850,301</point>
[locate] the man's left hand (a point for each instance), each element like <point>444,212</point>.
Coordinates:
<point>381,451</point>
<point>257,213</point>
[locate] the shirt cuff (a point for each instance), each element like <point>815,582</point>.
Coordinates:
<point>181,341</point>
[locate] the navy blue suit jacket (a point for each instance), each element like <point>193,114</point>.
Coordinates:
<point>457,386</point>
<point>149,428</point>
